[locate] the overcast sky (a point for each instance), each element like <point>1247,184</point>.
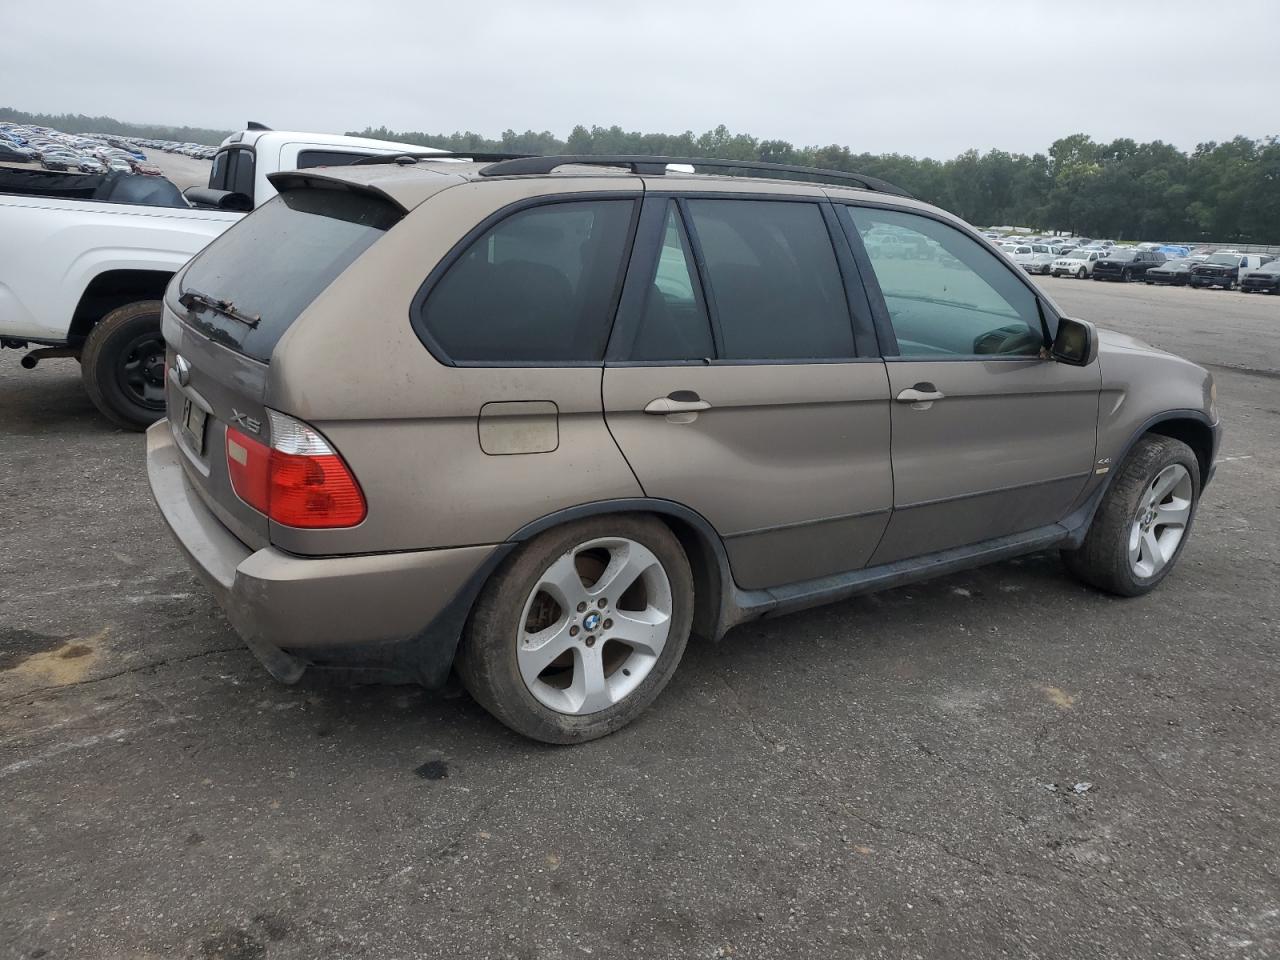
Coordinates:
<point>909,76</point>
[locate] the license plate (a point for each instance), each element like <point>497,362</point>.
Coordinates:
<point>193,420</point>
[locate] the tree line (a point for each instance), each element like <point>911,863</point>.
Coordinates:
<point>1122,190</point>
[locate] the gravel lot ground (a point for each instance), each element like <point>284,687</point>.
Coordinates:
<point>888,777</point>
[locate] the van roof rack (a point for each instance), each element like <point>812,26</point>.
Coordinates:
<point>408,157</point>
<point>657,166</point>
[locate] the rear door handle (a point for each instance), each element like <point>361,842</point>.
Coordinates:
<point>921,396</point>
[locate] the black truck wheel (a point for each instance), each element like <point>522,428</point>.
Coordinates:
<point>122,365</point>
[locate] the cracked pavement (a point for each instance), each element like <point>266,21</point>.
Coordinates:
<point>888,777</point>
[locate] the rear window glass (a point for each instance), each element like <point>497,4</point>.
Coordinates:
<point>232,170</point>
<point>277,260</point>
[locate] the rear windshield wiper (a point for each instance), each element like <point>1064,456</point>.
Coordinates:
<point>194,298</point>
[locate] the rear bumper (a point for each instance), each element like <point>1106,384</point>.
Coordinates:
<point>400,614</point>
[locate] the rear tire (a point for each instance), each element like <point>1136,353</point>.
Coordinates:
<point>559,586</point>
<point>1116,553</point>
<point>122,365</point>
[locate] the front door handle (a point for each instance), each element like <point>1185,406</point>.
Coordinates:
<point>682,401</point>
<point>679,406</point>
<point>921,396</point>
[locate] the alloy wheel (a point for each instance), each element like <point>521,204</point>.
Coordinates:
<point>1163,514</point>
<point>594,625</point>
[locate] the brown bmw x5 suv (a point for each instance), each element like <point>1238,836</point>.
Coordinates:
<point>539,420</point>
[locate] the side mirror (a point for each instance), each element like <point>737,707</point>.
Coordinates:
<point>1076,342</point>
<point>209,199</point>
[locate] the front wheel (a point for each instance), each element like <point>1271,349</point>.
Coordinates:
<point>122,365</point>
<point>1142,524</point>
<point>1081,273</point>
<point>1126,276</point>
<point>581,630</point>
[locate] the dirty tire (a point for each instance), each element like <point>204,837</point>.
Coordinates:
<point>487,659</point>
<point>1103,559</point>
<point>120,334</point>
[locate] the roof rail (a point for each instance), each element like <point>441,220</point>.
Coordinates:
<point>414,157</point>
<point>657,166</point>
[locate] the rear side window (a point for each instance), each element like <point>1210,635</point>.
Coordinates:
<point>276,261</point>
<point>538,287</point>
<point>327,158</point>
<point>774,282</point>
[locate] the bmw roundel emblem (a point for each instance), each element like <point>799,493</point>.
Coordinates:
<point>591,621</point>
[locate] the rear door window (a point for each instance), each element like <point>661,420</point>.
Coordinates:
<point>775,287</point>
<point>539,287</point>
<point>276,261</point>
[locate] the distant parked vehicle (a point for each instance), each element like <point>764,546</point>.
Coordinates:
<point>91,165</point>
<point>1225,268</point>
<point>1264,279</point>
<point>1077,263</point>
<point>1038,263</point>
<point>58,160</point>
<point>12,153</point>
<point>1171,273</point>
<point>1172,250</point>
<point>1127,264</point>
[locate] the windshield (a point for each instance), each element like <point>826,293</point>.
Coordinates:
<point>1226,259</point>
<point>277,260</point>
<point>1121,255</point>
<point>1272,267</point>
<point>1176,264</point>
<point>1077,255</point>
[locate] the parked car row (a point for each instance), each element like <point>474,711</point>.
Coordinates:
<point>54,150</point>
<point>1153,263</point>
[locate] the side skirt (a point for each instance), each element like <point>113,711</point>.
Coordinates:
<point>755,604</point>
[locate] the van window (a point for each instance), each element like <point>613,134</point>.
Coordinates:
<point>774,281</point>
<point>539,287</point>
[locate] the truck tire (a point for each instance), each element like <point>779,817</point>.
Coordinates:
<point>122,365</point>
<point>1143,522</point>
<point>604,655</point>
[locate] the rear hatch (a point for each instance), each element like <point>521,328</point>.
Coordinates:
<point>227,310</point>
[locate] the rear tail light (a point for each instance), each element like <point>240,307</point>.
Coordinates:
<point>298,480</point>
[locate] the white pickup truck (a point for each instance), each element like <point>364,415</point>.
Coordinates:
<point>83,278</point>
